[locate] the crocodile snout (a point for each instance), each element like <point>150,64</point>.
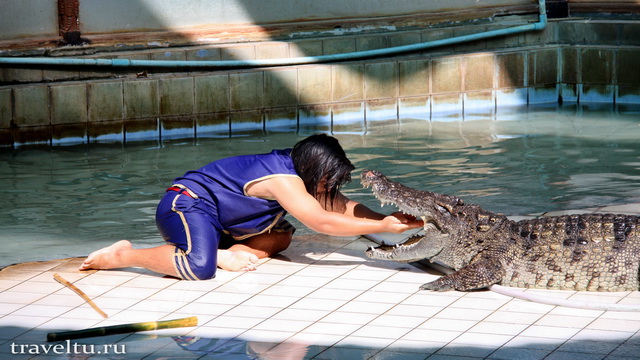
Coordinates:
<point>369,176</point>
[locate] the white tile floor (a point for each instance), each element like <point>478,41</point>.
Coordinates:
<point>322,299</point>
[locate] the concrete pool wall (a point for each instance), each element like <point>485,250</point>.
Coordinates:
<point>571,61</point>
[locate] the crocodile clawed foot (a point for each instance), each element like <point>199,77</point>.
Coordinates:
<point>437,286</point>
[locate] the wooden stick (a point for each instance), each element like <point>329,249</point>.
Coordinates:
<point>79,292</point>
<point>124,328</point>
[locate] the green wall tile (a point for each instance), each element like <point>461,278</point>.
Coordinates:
<point>238,52</point>
<point>601,33</point>
<point>105,100</point>
<point>212,125</point>
<point>203,54</point>
<point>59,75</point>
<point>272,51</point>
<point>280,88</point>
<point>305,48</point>
<point>447,105</point>
<point>511,70</point>
<point>314,118</point>
<point>22,75</point>
<point>106,131</point>
<point>347,82</point>
<point>418,107</point>
<point>382,109</point>
<point>539,37</point>
<point>246,121</point>
<point>177,127</point>
<point>5,108</point>
<point>414,77</point>
<point>40,134</point>
<point>477,45</point>
<point>314,84</point>
<point>141,129</point>
<point>446,75</point>
<point>627,67</point>
<point>597,65</point>
<point>31,104</point>
<point>246,90</point>
<point>141,99</point>
<point>570,65</point>
<point>176,96</point>
<point>281,119</point>
<point>436,34</point>
<point>479,72</point>
<point>543,67</point>
<point>211,93</point>
<point>348,118</point>
<point>404,38</point>
<point>479,102</point>
<point>338,46</point>
<point>168,55</point>
<point>364,43</point>
<point>508,41</point>
<point>69,133</point>
<point>571,32</point>
<point>69,104</point>
<point>629,33</point>
<point>381,80</point>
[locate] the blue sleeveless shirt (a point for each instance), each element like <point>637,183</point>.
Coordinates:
<point>223,183</point>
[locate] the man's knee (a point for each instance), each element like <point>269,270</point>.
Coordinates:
<point>201,273</point>
<point>206,273</point>
<point>191,267</point>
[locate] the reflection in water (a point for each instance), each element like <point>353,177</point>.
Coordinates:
<point>68,201</point>
<point>226,348</point>
<point>547,161</point>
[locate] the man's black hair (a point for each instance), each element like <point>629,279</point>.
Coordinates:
<point>320,158</point>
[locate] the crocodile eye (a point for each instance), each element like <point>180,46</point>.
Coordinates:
<point>442,209</point>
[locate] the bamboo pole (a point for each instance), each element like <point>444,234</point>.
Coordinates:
<point>123,328</point>
<point>84,296</point>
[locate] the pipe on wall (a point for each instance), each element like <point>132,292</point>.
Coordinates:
<point>360,55</point>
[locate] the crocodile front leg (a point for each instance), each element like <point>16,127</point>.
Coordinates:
<point>479,274</point>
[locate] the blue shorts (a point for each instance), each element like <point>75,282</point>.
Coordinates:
<point>186,222</point>
<point>189,223</point>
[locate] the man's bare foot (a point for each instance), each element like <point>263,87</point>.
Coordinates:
<point>236,260</point>
<point>105,258</point>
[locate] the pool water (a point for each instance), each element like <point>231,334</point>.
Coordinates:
<point>70,200</point>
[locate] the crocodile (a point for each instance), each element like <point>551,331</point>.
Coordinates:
<point>582,252</point>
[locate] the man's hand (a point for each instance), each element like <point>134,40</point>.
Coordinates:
<point>399,222</point>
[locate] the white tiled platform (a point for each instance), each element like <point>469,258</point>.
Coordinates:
<point>321,299</point>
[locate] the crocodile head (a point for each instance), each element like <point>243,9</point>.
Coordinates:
<point>434,209</point>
